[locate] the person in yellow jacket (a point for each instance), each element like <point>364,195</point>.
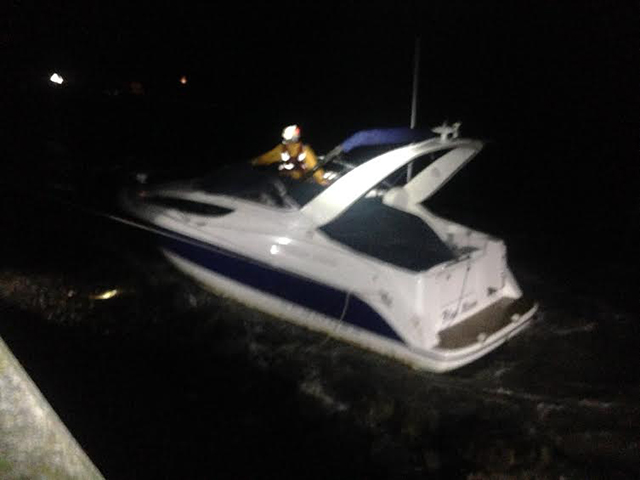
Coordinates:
<point>294,158</point>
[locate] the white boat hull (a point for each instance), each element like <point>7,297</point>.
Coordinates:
<point>435,360</point>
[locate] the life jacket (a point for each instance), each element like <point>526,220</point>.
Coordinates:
<point>289,163</point>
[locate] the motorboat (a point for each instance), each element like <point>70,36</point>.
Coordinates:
<point>360,258</point>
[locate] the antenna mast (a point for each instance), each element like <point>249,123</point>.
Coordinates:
<point>416,71</point>
<point>414,99</point>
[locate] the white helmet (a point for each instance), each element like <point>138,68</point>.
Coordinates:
<point>291,134</point>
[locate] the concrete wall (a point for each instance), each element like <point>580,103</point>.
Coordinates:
<point>34,443</point>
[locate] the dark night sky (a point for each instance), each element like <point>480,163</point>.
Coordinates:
<point>554,85</point>
<point>566,62</point>
<point>353,55</point>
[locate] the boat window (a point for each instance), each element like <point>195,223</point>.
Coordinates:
<point>399,177</point>
<point>271,194</point>
<point>372,228</point>
<point>243,181</point>
<point>422,162</point>
<point>189,206</point>
<point>302,192</point>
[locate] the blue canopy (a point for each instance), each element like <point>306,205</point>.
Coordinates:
<point>385,136</point>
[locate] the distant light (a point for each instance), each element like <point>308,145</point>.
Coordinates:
<point>283,240</point>
<point>106,295</point>
<point>136,88</point>
<point>183,79</point>
<point>57,79</point>
<point>274,249</point>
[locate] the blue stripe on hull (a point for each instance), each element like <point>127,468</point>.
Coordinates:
<point>307,293</point>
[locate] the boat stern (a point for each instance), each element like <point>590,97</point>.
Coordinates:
<point>466,308</point>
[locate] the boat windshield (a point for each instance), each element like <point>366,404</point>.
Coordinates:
<point>343,162</point>
<point>335,165</point>
<point>260,185</point>
<point>365,145</point>
<point>266,186</point>
<point>246,182</point>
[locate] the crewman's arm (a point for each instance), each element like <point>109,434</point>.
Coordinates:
<point>272,156</point>
<point>312,161</point>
